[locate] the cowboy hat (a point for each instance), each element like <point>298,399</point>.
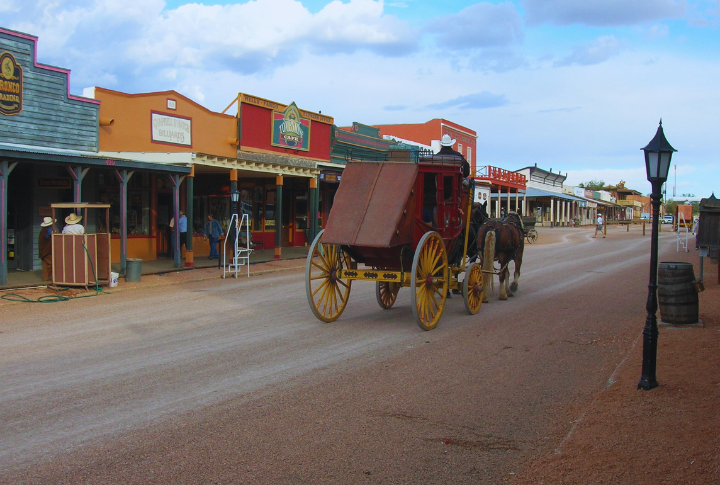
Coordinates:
<point>48,221</point>
<point>447,141</point>
<point>73,218</point>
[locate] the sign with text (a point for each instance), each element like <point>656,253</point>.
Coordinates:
<point>171,130</point>
<point>482,194</point>
<point>290,130</point>
<point>11,85</point>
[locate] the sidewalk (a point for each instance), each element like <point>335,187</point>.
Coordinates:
<point>27,279</point>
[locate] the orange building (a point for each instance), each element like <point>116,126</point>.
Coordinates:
<point>267,147</point>
<point>430,134</point>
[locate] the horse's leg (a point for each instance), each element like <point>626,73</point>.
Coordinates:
<point>518,264</point>
<point>504,277</point>
<point>488,258</point>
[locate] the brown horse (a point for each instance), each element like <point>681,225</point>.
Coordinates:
<point>501,241</point>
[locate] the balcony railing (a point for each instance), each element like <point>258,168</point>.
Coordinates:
<point>500,175</point>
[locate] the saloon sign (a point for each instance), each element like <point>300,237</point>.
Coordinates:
<point>11,85</point>
<point>290,130</point>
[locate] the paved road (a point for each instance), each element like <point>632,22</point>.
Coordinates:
<point>234,381</point>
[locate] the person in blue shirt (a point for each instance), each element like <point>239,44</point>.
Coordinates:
<point>213,231</point>
<point>182,227</point>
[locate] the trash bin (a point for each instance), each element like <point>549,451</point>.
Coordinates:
<point>133,270</point>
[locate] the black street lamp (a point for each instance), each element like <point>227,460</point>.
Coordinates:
<point>658,154</point>
<point>234,198</point>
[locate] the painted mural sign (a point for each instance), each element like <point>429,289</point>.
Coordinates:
<point>290,130</point>
<point>11,85</point>
<point>172,130</point>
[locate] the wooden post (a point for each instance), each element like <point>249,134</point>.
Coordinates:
<point>124,177</point>
<point>5,169</point>
<point>278,217</point>
<point>190,186</point>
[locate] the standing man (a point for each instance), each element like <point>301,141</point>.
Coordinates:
<point>182,228</point>
<point>213,231</point>
<point>45,247</point>
<point>599,226</point>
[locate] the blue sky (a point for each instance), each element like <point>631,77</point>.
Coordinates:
<point>576,86</point>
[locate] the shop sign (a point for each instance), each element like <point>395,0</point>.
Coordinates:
<point>290,130</point>
<point>172,130</point>
<point>482,194</point>
<point>11,85</point>
<point>327,176</point>
<point>54,183</point>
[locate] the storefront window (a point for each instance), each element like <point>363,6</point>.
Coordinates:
<point>138,213</point>
<point>258,209</point>
<point>270,210</point>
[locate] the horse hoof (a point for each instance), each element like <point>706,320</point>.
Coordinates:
<point>501,298</point>
<point>513,287</point>
<point>510,295</point>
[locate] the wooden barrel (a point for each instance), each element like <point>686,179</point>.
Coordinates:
<point>677,296</point>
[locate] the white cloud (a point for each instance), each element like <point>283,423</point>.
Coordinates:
<point>479,26</point>
<point>601,12</point>
<point>481,100</point>
<point>595,52</point>
<point>7,6</point>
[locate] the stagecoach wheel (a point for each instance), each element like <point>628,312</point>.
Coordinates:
<point>473,288</point>
<point>326,293</point>
<point>429,280</point>
<point>386,293</point>
<point>532,236</point>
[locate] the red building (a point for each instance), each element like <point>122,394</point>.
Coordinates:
<point>430,134</point>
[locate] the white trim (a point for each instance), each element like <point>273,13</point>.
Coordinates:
<point>458,129</point>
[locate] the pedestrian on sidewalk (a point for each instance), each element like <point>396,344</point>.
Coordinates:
<point>213,231</point>
<point>182,228</point>
<point>45,247</point>
<point>599,226</point>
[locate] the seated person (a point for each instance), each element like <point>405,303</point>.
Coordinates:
<point>72,225</point>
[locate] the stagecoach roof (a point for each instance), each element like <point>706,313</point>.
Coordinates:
<point>369,206</point>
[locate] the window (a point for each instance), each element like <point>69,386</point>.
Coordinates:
<point>469,155</point>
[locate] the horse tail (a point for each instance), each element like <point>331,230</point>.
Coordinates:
<point>488,266</point>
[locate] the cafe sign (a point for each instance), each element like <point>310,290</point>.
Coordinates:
<point>11,85</point>
<point>290,130</point>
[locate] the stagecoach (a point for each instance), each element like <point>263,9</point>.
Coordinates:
<point>400,223</point>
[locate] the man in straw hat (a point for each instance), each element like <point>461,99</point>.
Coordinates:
<point>72,225</point>
<point>45,247</point>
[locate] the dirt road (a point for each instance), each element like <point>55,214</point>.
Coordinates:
<point>234,381</point>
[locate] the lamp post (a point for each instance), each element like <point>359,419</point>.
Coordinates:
<point>658,154</point>
<point>234,198</point>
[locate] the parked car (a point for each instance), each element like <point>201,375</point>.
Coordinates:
<point>667,219</point>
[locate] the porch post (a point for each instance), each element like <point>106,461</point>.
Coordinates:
<point>77,174</point>
<point>123,176</point>
<point>190,187</point>
<point>5,169</point>
<point>278,217</point>
<point>312,211</point>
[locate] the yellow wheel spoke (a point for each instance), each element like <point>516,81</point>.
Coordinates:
<point>320,287</point>
<point>325,269</point>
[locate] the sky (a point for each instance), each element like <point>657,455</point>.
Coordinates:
<point>574,86</point>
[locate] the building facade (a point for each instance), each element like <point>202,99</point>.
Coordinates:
<point>49,154</point>
<point>430,134</point>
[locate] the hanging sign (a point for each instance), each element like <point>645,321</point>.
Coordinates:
<point>11,85</point>
<point>482,194</point>
<point>172,130</point>
<point>290,130</point>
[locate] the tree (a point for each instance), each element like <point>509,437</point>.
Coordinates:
<point>593,184</point>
